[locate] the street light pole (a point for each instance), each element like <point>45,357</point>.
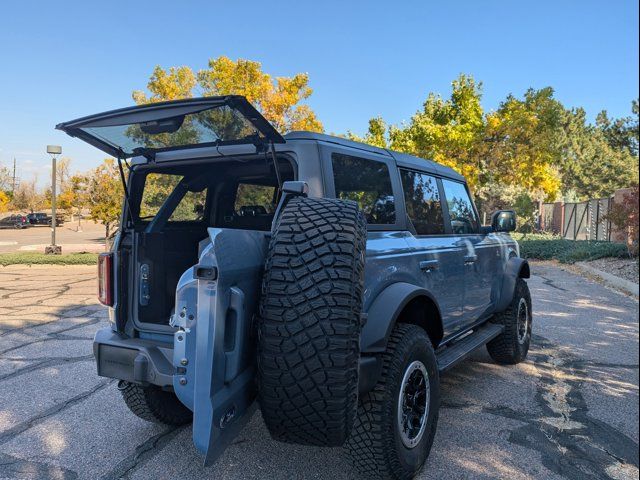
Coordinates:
<point>53,249</point>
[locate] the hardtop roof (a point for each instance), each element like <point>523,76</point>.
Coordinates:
<point>402,159</point>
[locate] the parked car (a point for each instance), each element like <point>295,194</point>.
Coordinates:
<point>331,281</point>
<point>14,221</point>
<point>40,218</point>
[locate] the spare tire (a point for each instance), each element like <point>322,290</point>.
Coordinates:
<point>310,321</point>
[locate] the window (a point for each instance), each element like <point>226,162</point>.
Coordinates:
<point>422,200</point>
<point>366,182</point>
<point>463,216</point>
<point>158,187</point>
<point>252,200</point>
<point>190,208</point>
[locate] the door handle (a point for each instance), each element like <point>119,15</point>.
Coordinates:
<point>429,265</point>
<point>470,259</point>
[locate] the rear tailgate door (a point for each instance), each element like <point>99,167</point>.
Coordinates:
<point>216,377</point>
<point>175,125</point>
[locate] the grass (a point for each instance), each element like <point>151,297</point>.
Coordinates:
<point>550,247</point>
<point>31,258</point>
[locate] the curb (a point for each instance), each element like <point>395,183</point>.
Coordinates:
<point>612,280</point>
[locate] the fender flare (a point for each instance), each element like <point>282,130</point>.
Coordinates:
<point>516,268</point>
<point>384,311</point>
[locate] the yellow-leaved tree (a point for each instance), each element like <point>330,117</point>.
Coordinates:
<point>4,202</point>
<point>279,99</point>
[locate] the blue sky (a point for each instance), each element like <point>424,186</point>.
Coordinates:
<point>62,60</point>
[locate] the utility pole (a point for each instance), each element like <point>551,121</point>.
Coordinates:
<point>13,182</point>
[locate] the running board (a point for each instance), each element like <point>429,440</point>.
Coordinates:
<point>449,356</point>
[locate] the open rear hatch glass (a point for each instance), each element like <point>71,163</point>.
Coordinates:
<point>179,124</point>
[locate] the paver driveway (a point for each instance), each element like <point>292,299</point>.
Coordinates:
<point>569,411</point>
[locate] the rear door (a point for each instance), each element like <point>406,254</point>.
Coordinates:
<point>176,125</point>
<point>437,254</point>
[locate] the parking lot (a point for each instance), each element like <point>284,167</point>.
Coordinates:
<point>90,238</point>
<point>570,411</point>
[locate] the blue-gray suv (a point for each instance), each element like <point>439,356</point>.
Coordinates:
<point>327,281</point>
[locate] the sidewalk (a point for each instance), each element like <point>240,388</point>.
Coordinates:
<point>610,279</point>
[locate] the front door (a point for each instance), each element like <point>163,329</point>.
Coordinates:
<point>477,251</point>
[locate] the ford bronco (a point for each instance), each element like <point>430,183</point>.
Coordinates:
<point>327,281</point>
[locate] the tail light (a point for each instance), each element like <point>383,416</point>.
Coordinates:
<point>105,279</point>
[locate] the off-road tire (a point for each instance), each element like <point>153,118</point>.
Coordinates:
<point>310,322</point>
<point>375,447</point>
<point>154,404</point>
<point>509,348</point>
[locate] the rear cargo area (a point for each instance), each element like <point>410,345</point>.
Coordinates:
<point>173,206</point>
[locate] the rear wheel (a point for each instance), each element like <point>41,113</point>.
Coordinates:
<point>154,404</point>
<point>309,327</point>
<point>512,345</point>
<point>397,420</point>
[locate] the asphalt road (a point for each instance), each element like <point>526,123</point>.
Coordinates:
<point>570,411</point>
<point>33,239</point>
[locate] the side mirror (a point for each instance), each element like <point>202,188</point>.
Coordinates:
<point>503,221</point>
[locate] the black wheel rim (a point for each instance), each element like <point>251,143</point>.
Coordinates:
<point>413,404</point>
<point>523,320</point>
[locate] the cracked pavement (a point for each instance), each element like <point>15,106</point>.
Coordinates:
<point>570,411</point>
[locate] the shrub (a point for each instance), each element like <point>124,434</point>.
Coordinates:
<point>625,217</point>
<point>550,247</point>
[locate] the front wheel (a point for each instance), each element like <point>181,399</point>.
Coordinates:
<point>397,420</point>
<point>512,345</point>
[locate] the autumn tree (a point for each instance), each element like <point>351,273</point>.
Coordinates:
<point>163,85</point>
<point>6,179</point>
<point>4,202</point>
<point>27,198</point>
<point>73,196</point>
<point>279,99</point>
<point>103,191</point>
<point>521,148</point>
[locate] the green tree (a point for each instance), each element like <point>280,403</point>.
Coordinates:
<point>447,131</point>
<point>376,135</point>
<point>621,133</point>
<point>592,164</point>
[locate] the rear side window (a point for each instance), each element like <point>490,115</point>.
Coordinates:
<point>366,182</point>
<point>157,187</point>
<point>254,199</point>
<point>463,216</point>
<point>422,200</point>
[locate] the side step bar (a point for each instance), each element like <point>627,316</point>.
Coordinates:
<point>449,356</point>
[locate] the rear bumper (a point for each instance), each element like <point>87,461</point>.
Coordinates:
<point>133,359</point>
